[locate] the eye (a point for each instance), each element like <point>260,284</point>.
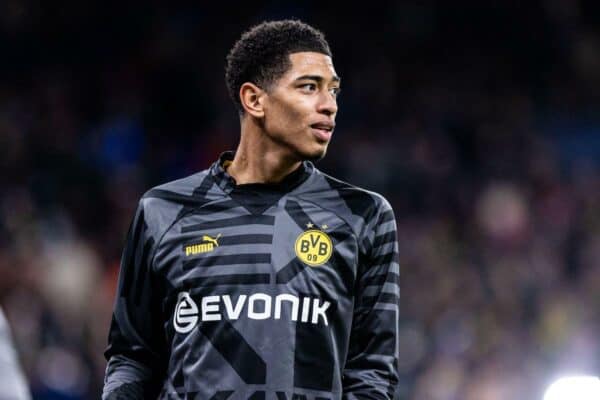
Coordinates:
<point>335,91</point>
<point>308,87</point>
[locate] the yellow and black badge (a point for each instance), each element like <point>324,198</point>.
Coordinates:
<point>313,247</point>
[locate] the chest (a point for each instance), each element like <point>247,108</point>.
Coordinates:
<point>294,247</point>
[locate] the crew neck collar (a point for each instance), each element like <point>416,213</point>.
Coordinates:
<point>227,183</point>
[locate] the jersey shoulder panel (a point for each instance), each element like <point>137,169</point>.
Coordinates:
<point>164,204</point>
<point>360,208</point>
<point>199,184</point>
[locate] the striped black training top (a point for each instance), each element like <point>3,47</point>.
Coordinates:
<point>257,291</point>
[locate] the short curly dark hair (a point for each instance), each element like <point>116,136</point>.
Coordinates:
<point>261,55</point>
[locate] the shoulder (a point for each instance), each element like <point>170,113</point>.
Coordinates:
<point>359,207</point>
<point>184,187</point>
<point>163,204</point>
<point>359,202</point>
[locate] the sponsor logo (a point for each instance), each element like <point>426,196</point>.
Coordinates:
<point>186,313</point>
<point>257,306</point>
<point>207,245</point>
<point>313,247</point>
<point>296,396</point>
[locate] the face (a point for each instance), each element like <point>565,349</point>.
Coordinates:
<point>300,107</point>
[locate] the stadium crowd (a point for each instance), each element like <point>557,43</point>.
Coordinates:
<point>479,123</point>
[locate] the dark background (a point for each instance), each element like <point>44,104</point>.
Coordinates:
<point>477,120</point>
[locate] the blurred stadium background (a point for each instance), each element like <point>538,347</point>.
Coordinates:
<point>478,121</point>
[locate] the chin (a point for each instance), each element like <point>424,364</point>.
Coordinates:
<point>316,157</point>
<point>313,154</point>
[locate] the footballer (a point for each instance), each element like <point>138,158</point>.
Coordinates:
<point>261,277</point>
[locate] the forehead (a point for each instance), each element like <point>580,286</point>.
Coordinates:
<point>310,63</point>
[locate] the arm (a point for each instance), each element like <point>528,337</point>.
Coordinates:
<point>371,370</point>
<point>136,346</point>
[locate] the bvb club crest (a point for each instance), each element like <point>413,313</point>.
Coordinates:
<point>313,246</point>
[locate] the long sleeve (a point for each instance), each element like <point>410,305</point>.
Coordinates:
<point>135,350</point>
<point>371,370</point>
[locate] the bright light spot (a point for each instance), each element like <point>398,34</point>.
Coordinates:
<point>574,388</point>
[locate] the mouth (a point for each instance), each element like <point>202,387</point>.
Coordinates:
<point>323,130</point>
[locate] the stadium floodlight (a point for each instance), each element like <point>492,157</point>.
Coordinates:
<point>574,388</point>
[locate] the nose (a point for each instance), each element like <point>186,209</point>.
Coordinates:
<point>327,104</point>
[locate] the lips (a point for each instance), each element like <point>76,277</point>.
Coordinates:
<point>323,130</point>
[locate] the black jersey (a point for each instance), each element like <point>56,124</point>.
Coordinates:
<point>258,291</point>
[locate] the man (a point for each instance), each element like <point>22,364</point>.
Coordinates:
<point>261,277</point>
<point>12,382</point>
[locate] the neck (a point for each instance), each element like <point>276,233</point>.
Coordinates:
<point>258,159</point>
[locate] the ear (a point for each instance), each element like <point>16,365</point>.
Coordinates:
<point>252,98</point>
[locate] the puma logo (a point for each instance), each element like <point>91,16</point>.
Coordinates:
<point>208,244</point>
<point>214,241</point>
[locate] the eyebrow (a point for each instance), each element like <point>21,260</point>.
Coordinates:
<point>318,78</point>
